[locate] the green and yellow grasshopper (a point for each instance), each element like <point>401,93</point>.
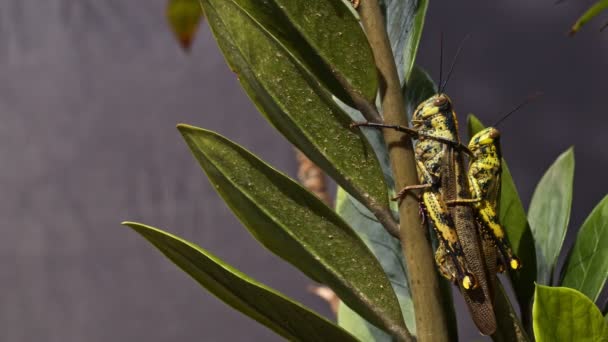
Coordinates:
<point>462,254</point>
<point>484,176</point>
<point>434,126</point>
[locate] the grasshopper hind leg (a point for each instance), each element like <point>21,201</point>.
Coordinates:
<point>506,258</point>
<point>449,267</point>
<point>513,261</point>
<point>448,256</point>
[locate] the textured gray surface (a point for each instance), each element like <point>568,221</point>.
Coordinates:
<point>90,94</point>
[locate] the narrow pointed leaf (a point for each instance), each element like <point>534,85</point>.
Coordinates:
<point>564,314</point>
<point>286,317</point>
<point>587,266</point>
<point>184,18</point>
<point>274,64</point>
<point>512,215</point>
<point>294,224</point>
<point>549,213</point>
<point>387,250</point>
<point>404,24</point>
<point>589,14</point>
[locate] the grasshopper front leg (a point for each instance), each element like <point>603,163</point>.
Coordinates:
<point>414,134</point>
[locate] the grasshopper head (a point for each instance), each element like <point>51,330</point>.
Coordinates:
<point>435,104</point>
<point>487,136</point>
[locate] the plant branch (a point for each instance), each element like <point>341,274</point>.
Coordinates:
<point>431,322</point>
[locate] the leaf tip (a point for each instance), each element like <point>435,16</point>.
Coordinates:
<point>570,150</point>
<point>133,225</point>
<point>183,127</point>
<point>188,130</point>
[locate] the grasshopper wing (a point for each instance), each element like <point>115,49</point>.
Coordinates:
<point>478,256</point>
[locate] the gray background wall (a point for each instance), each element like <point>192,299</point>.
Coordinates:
<point>90,92</point>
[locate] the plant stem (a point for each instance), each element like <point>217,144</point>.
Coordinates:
<point>431,322</point>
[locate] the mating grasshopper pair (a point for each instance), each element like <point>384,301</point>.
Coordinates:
<point>460,205</point>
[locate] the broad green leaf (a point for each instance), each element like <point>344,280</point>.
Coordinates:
<point>589,14</point>
<point>387,250</point>
<point>549,213</point>
<point>286,317</point>
<point>294,224</point>
<point>274,65</point>
<point>404,23</point>
<point>184,18</point>
<point>587,267</point>
<point>336,35</point>
<point>564,314</point>
<point>514,220</point>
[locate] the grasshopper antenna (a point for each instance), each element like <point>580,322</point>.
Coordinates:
<point>529,99</point>
<point>442,86</point>
<point>440,60</point>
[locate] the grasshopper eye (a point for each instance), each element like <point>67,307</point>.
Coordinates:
<point>442,103</point>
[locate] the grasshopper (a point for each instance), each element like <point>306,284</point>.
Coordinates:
<point>484,181</point>
<point>434,125</point>
<point>461,255</point>
<point>480,253</point>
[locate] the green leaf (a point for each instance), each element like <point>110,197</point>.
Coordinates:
<point>512,215</point>
<point>184,18</point>
<point>564,314</point>
<point>275,64</point>
<point>404,23</point>
<point>336,35</point>
<point>587,267</point>
<point>286,317</point>
<point>589,14</point>
<point>474,125</point>
<point>388,251</point>
<point>294,224</point>
<point>549,213</point>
